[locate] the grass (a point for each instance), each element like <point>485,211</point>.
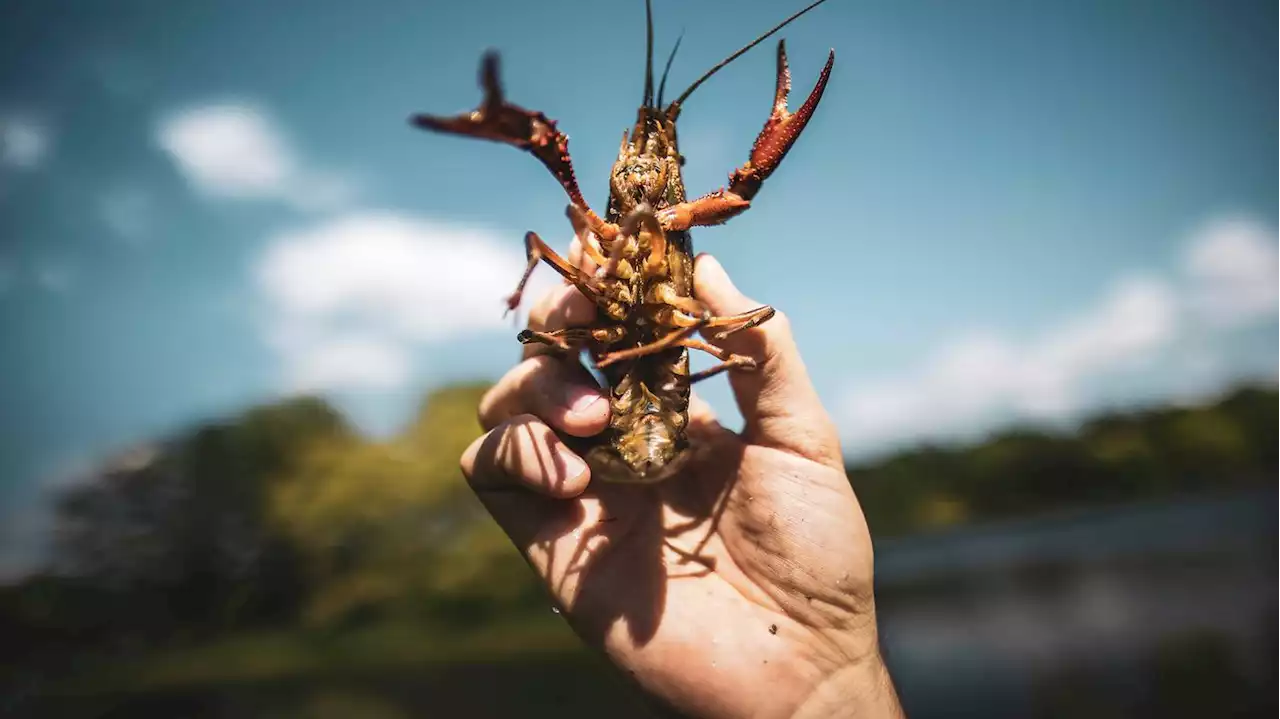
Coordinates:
<point>290,654</point>
<point>520,665</point>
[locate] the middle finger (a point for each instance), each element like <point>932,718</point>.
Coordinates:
<point>562,394</point>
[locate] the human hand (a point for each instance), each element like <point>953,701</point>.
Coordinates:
<point>740,587</point>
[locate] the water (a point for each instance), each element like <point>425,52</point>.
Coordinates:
<point>1115,610</point>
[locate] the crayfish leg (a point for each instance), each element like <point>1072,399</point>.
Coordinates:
<point>573,337</point>
<point>728,360</point>
<point>671,339</point>
<point>586,238</point>
<point>744,321</point>
<point>664,294</point>
<point>685,311</point>
<point>534,257</point>
<point>538,251</point>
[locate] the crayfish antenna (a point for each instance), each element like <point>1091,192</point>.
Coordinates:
<point>648,54</point>
<point>662,86</point>
<point>674,108</point>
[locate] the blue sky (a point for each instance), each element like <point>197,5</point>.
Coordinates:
<point>1001,210</point>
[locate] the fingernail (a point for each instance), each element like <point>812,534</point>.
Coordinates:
<point>585,403</point>
<point>580,399</point>
<point>573,464</point>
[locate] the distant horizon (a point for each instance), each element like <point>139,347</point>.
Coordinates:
<point>36,563</point>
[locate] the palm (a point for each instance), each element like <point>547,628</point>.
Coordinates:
<point>683,582</point>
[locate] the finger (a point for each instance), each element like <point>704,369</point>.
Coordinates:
<point>575,254</point>
<point>532,485</point>
<point>579,258</point>
<point>560,393</point>
<point>778,402</point>
<point>699,411</point>
<point>524,453</point>
<point>564,306</point>
<point>524,476</point>
<point>589,265</point>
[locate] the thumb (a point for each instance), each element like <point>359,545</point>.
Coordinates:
<point>777,400</point>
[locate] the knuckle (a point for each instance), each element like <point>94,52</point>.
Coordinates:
<point>487,410</point>
<point>485,406</point>
<point>514,443</point>
<point>543,314</point>
<point>470,456</point>
<point>499,452</point>
<point>538,314</point>
<point>511,393</point>
<point>780,323</point>
<point>578,308</point>
<point>561,307</point>
<point>780,341</point>
<point>535,349</point>
<point>532,382</point>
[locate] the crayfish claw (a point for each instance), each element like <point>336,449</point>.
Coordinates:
<point>781,130</point>
<point>498,120</point>
<point>490,81</point>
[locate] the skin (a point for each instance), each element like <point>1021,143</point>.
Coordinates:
<point>740,588</point>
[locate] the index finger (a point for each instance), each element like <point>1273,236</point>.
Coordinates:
<point>561,307</point>
<point>778,401</point>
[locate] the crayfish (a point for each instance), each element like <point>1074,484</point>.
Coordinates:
<point>647,316</point>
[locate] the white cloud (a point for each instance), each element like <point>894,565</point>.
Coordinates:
<point>423,279</point>
<point>1139,317</point>
<point>350,361</point>
<point>1233,272</point>
<point>235,151</point>
<point>24,142</point>
<point>228,150</point>
<point>982,375</point>
<point>352,298</point>
<point>128,212</point>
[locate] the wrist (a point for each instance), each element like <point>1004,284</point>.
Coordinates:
<point>863,690</point>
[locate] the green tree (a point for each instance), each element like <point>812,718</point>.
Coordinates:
<point>1116,457</point>
<point>391,527</point>
<point>176,534</point>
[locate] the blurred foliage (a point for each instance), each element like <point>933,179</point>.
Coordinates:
<point>285,513</point>
<point>281,514</point>
<point>281,543</point>
<point>390,527</point>
<point>1122,457</point>
<point>175,537</point>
